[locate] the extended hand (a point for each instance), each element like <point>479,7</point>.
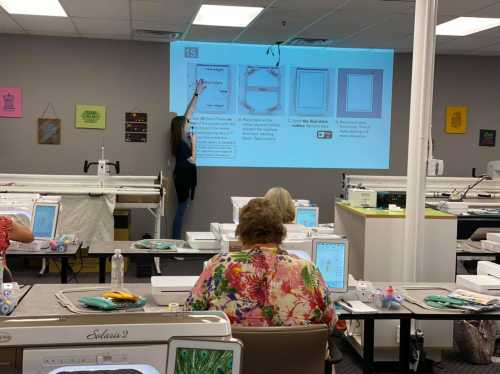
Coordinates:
<point>200,86</point>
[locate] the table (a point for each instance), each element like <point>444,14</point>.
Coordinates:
<point>375,239</point>
<point>468,248</point>
<point>105,250</point>
<point>63,257</point>
<point>403,315</point>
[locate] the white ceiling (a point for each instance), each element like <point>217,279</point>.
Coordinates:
<point>347,23</point>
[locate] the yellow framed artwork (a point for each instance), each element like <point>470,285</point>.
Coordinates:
<point>456,119</point>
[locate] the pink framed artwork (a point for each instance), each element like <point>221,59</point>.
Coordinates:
<point>11,102</point>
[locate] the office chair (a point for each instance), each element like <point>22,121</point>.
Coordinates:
<point>283,350</point>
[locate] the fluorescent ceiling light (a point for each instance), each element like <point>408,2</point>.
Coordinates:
<point>226,15</point>
<point>463,26</point>
<point>34,7</point>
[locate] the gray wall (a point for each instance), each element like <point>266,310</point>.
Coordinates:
<point>134,76</point>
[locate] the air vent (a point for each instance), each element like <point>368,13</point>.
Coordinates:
<point>156,35</point>
<point>313,42</point>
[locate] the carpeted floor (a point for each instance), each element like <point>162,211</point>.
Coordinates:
<point>452,364</point>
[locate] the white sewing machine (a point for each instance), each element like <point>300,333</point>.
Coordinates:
<point>47,338</point>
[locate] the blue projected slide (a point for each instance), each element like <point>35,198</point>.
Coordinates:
<point>320,108</point>
<point>330,260</point>
<point>44,221</point>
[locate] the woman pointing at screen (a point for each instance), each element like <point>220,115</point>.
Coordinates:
<point>183,148</point>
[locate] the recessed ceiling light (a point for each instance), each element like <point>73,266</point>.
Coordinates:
<point>463,26</point>
<point>34,7</point>
<point>226,15</point>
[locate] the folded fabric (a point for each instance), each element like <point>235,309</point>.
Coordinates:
<point>159,244</point>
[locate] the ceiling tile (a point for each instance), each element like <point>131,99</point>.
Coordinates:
<point>463,7</point>
<point>170,11</point>
<point>379,8</point>
<point>392,33</point>
<point>341,25</point>
<point>106,36</point>
<point>491,11</point>
<point>102,27</point>
<point>270,25</point>
<point>212,33</point>
<point>110,9</point>
<point>56,33</point>
<point>7,25</point>
<point>159,26</point>
<point>255,3</point>
<point>37,24</point>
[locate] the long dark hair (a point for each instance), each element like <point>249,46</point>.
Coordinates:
<point>176,133</point>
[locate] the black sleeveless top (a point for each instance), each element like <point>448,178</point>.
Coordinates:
<point>185,176</point>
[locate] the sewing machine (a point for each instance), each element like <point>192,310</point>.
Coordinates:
<point>43,337</point>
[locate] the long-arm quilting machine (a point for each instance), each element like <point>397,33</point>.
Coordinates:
<point>126,192</point>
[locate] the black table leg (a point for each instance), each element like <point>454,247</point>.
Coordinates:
<point>64,270</point>
<point>102,269</point>
<point>368,345</point>
<point>404,345</point>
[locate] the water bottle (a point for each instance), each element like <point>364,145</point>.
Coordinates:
<point>117,270</point>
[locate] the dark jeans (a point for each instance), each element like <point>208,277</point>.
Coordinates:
<point>179,217</point>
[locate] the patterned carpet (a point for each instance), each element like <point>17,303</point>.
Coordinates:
<point>452,364</point>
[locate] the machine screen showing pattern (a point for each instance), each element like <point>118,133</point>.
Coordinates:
<point>330,259</point>
<point>299,107</point>
<point>44,221</point>
<point>203,361</point>
<point>307,216</point>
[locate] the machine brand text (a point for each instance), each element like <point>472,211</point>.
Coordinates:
<point>107,334</point>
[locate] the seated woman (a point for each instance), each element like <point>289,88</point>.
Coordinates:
<point>10,230</point>
<point>283,201</point>
<point>263,285</point>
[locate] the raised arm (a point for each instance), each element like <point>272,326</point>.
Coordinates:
<point>200,86</point>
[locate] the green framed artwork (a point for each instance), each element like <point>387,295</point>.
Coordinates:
<point>90,117</point>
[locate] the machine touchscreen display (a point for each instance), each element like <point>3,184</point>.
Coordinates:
<point>330,259</point>
<point>44,221</point>
<point>306,216</point>
<point>206,361</point>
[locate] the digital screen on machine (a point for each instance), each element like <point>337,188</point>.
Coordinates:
<point>306,216</point>
<point>203,361</point>
<point>330,260</point>
<point>44,221</point>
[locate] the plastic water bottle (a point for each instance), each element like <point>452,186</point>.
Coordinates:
<point>117,270</point>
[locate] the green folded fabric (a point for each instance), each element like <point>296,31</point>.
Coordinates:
<point>159,244</point>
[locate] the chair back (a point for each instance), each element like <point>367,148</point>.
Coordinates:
<point>283,350</point>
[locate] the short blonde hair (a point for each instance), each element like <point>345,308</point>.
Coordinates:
<point>283,201</point>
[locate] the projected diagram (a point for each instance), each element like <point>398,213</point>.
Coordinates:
<point>312,92</point>
<point>261,90</point>
<point>218,95</point>
<point>360,93</point>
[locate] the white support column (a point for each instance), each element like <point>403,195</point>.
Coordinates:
<point>424,48</point>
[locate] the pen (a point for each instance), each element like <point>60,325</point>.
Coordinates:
<point>346,303</point>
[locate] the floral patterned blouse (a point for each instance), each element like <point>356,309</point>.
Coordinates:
<point>263,287</point>
<point>5,224</point>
